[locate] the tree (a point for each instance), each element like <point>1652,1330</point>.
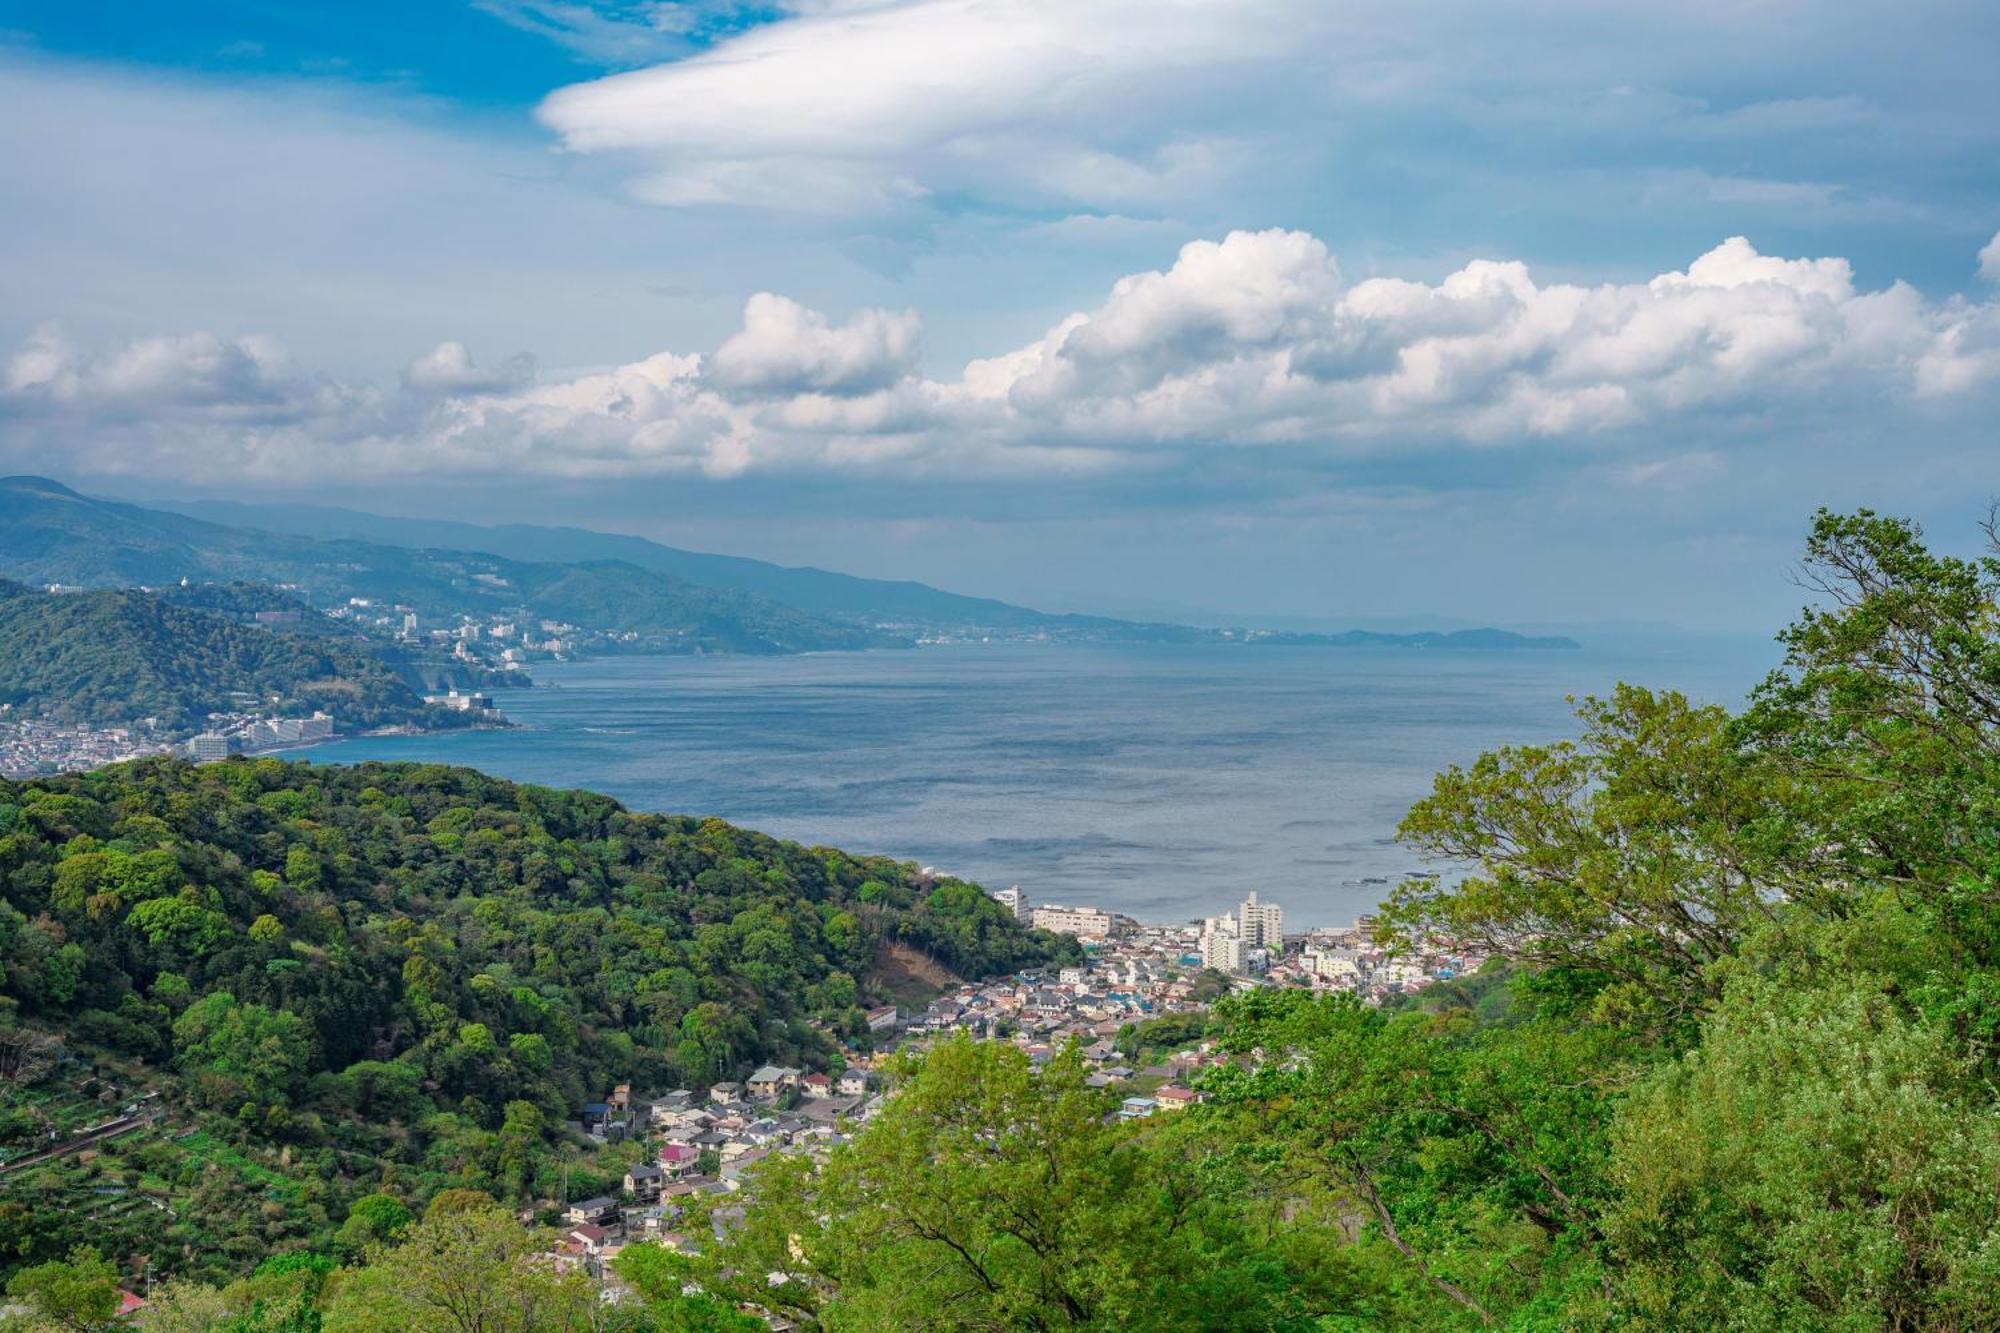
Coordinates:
<point>1474,1153</point>
<point>187,1307</point>
<point>373,1219</point>
<point>521,1132</point>
<point>1826,1159</point>
<point>1887,711</point>
<point>175,923</point>
<point>250,1050</point>
<point>302,869</point>
<point>1638,855</point>
<point>992,1195</point>
<point>1789,921</point>
<point>466,1270</point>
<point>80,1292</point>
<point>663,1280</point>
<point>282,1296</point>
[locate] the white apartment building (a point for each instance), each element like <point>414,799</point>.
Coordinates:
<point>208,747</point>
<point>1401,971</point>
<point>1335,965</point>
<point>1083,922</point>
<point>1222,950</point>
<point>1015,901</point>
<point>1262,925</point>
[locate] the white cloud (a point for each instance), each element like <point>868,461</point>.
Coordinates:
<point>1253,341</point>
<point>624,35</point>
<point>1149,105</point>
<point>870,107</point>
<point>1989,259</point>
<point>197,376</point>
<point>448,368</point>
<point>1256,339</point>
<point>786,348</point>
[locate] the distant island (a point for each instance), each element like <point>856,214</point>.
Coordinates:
<point>1460,640</point>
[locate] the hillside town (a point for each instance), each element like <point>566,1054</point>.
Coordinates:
<point>702,1144</point>
<point>497,641</point>
<point>29,747</point>
<point>1249,946</point>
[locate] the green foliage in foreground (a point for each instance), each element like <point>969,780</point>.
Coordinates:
<point>992,1195</point>
<point>410,975</point>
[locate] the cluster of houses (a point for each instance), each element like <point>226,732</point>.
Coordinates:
<point>1147,971</point>
<point>1353,958</point>
<point>1143,972</point>
<point>30,748</point>
<point>703,1143</point>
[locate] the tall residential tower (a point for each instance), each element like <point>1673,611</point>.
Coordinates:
<point>1262,925</point>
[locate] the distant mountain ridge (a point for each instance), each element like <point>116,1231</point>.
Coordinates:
<point>660,598</point>
<point>52,534</point>
<point>900,602</point>
<point>820,591</point>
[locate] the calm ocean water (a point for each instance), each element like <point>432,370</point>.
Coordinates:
<point>1160,781</point>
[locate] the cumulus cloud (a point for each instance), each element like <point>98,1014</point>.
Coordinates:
<point>192,376</point>
<point>1255,341</point>
<point>448,368</point>
<point>1989,259</point>
<point>786,348</point>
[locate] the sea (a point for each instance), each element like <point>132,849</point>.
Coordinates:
<point>1163,781</point>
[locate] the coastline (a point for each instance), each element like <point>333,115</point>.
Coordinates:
<point>1138,777</point>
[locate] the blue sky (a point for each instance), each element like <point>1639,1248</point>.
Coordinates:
<point>499,56</point>
<point>1280,308</point>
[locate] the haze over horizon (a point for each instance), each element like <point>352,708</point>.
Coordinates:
<point>428,529</point>
<point>1263,309</point>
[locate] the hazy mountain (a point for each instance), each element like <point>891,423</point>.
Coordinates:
<point>673,599</point>
<point>817,590</point>
<point>52,534</point>
<point>874,601</point>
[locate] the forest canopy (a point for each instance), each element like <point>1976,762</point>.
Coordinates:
<point>422,972</point>
<point>117,657</point>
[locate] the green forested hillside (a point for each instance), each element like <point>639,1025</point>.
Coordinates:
<point>410,975</point>
<point>119,656</point>
<point>243,600</point>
